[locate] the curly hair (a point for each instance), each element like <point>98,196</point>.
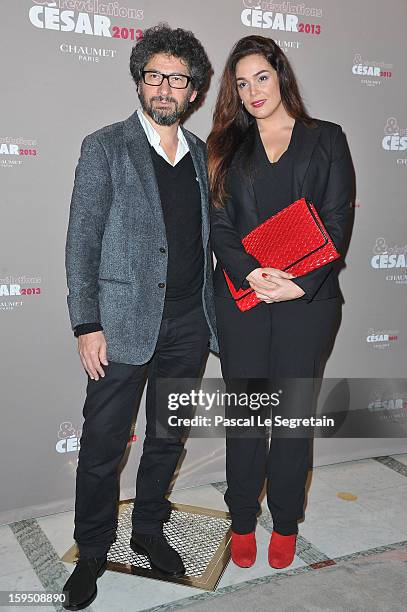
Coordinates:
<point>179,43</point>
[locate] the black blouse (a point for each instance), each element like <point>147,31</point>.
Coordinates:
<point>273,181</point>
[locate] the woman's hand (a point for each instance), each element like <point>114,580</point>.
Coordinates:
<point>263,278</point>
<point>272,285</point>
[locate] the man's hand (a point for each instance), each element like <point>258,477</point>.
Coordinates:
<point>92,351</point>
<point>275,286</point>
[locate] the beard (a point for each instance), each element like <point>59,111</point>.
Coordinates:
<point>163,116</point>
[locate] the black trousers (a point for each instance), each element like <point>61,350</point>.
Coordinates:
<point>108,413</point>
<point>271,341</point>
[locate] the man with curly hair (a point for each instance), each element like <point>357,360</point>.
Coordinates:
<point>139,274</point>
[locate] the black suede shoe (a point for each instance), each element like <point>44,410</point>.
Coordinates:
<point>81,584</point>
<point>162,557</point>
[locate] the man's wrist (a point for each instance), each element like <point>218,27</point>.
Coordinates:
<point>87,328</point>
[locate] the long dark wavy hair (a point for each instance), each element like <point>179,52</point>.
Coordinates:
<point>232,122</point>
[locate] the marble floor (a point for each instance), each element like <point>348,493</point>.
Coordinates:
<point>339,530</point>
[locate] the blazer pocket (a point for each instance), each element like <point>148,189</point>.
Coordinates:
<point>114,279</point>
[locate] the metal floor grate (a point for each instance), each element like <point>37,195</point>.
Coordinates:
<point>200,535</point>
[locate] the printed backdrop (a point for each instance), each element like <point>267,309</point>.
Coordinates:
<point>65,74</point>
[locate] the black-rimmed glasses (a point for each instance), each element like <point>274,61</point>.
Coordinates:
<point>177,81</point>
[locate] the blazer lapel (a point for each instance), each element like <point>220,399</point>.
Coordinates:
<point>199,162</point>
<point>139,152</point>
<point>307,139</point>
<point>244,179</point>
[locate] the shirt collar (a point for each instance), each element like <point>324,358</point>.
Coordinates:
<point>154,138</point>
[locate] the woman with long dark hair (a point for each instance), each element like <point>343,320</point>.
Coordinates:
<point>266,152</point>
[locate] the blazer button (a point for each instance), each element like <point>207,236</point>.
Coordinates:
<point>162,250</point>
<point>161,285</point>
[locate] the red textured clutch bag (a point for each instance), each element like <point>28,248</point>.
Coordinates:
<point>294,240</point>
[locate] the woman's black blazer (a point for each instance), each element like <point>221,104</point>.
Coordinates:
<point>323,173</point>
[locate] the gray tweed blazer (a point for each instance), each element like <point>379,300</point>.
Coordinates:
<point>113,261</point>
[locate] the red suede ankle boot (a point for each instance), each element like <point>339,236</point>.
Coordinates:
<point>243,548</point>
<point>281,550</point>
